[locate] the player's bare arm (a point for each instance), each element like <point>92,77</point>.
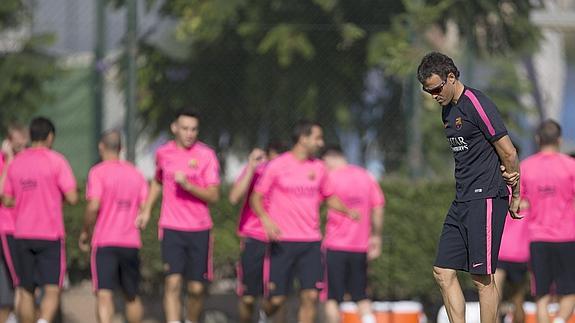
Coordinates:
<point>146,210</point>
<point>257,204</point>
<point>509,160</point>
<point>210,194</point>
<point>377,215</point>
<point>90,217</point>
<point>333,202</point>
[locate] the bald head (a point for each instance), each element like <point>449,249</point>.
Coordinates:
<point>111,141</point>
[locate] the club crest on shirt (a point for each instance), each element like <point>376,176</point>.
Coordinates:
<point>193,163</point>
<point>458,123</point>
<point>311,176</point>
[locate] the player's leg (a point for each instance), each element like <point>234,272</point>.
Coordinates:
<point>517,282</point>
<point>105,267</point>
<point>451,256</point>
<point>335,262</point>
<point>310,276</point>
<point>357,285</point>
<point>130,281</point>
<point>51,260</point>
<point>565,278</point>
<point>541,265</point>
<point>25,309</point>
<point>174,259</point>
<point>250,277</point>
<point>282,256</point>
<point>198,272</point>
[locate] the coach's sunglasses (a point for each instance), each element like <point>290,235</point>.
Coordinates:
<point>436,90</point>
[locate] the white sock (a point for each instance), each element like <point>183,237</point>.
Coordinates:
<point>175,322</point>
<point>558,320</point>
<point>368,318</point>
<point>42,321</point>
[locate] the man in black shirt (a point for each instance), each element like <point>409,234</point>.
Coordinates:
<point>472,230</point>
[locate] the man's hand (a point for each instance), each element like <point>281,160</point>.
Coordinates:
<point>271,229</point>
<point>509,178</point>
<point>256,157</point>
<point>84,242</point>
<point>514,208</point>
<point>180,178</point>
<point>7,150</point>
<point>353,214</point>
<point>142,219</point>
<point>374,247</point>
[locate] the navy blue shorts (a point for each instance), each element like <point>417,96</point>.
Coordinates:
<point>515,272</point>
<point>8,277</point>
<point>116,268</point>
<point>300,260</point>
<point>471,235</point>
<point>40,263</point>
<point>552,266</point>
<point>346,273</point>
<point>187,253</point>
<point>251,267</point>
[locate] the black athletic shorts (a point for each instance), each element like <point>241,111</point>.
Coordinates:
<point>251,267</point>
<point>116,268</point>
<point>40,262</point>
<point>188,253</point>
<point>552,267</point>
<point>346,273</point>
<point>301,260</point>
<point>471,235</point>
<point>8,277</point>
<point>515,272</point>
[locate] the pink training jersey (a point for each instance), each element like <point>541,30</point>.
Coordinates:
<point>358,190</point>
<point>548,184</point>
<point>121,190</point>
<point>295,189</point>
<point>180,209</point>
<point>515,240</point>
<point>6,214</point>
<point>37,179</point>
<point>250,225</point>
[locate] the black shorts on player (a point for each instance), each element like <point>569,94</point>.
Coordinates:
<point>187,253</point>
<point>471,235</point>
<point>7,270</point>
<point>40,263</point>
<point>251,267</point>
<point>553,263</point>
<point>117,268</point>
<point>346,273</point>
<point>515,272</point>
<point>300,260</point>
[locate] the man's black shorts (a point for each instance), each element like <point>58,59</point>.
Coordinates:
<point>188,253</point>
<point>116,268</point>
<point>8,277</point>
<point>515,272</point>
<point>471,235</point>
<point>40,262</point>
<point>301,260</point>
<point>553,267</point>
<point>251,267</point>
<point>346,272</point>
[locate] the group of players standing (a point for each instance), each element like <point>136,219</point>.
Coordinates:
<point>279,224</point>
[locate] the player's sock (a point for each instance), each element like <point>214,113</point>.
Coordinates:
<point>263,318</point>
<point>558,320</point>
<point>42,321</point>
<point>175,322</point>
<point>368,318</point>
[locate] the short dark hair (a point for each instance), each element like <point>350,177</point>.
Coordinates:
<point>436,63</point>
<point>549,132</point>
<point>333,150</point>
<point>187,112</point>
<point>277,146</point>
<point>112,140</point>
<point>303,128</point>
<point>40,128</point>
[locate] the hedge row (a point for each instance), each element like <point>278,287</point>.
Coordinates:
<point>413,218</point>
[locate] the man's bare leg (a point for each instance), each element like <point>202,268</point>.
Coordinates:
<point>308,305</point>
<point>451,292</point>
<point>172,292</point>
<point>542,312</point>
<point>196,296</point>
<point>50,302</point>
<point>488,297</point>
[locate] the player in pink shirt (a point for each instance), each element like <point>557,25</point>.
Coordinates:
<point>294,186</point>
<point>38,180</point>
<point>548,185</point>
<point>187,175</point>
<point>115,192</point>
<point>254,243</point>
<point>350,244</point>
<point>16,140</point>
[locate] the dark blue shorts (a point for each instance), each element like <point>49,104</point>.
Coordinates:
<point>346,273</point>
<point>40,262</point>
<point>188,254</point>
<point>471,235</point>
<point>116,268</point>
<point>251,267</point>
